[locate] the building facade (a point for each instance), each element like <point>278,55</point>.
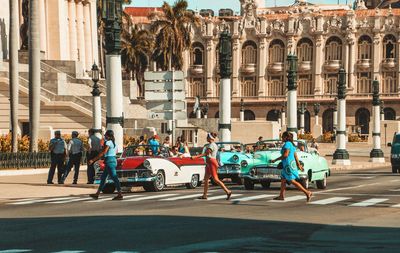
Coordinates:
<point>325,38</point>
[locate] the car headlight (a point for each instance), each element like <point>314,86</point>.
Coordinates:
<point>253,172</point>
<point>235,158</point>
<point>147,164</point>
<point>244,164</point>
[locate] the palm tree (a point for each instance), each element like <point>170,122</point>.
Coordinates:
<point>137,46</point>
<point>172,33</point>
<point>13,70</point>
<point>34,74</point>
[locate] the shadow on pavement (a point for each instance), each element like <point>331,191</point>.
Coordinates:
<point>189,234</point>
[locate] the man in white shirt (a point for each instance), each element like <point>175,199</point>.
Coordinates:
<point>75,149</point>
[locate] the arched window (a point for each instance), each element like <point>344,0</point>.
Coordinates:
<point>327,120</point>
<point>389,84</point>
<point>389,46</point>
<point>197,87</point>
<point>248,87</point>
<point>362,120</point>
<point>249,52</point>
<point>305,85</point>
<point>364,47</point>
<point>333,49</point>
<point>364,83</point>
<point>273,115</point>
<point>390,114</point>
<point>276,51</point>
<point>305,50</point>
<point>249,115</point>
<point>275,86</point>
<point>197,54</point>
<point>330,84</point>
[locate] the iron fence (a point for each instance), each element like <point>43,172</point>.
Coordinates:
<point>28,160</point>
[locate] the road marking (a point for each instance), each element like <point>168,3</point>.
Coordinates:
<point>351,187</point>
<point>15,250</point>
<point>396,206</point>
<point>40,201</point>
<point>262,196</point>
<point>20,200</point>
<point>395,190</point>
<point>329,201</point>
<point>223,197</point>
<point>125,252</point>
<point>152,197</point>
<point>183,197</point>
<point>290,199</point>
<point>369,202</point>
<point>70,251</point>
<point>395,180</point>
<point>103,199</point>
<point>69,201</point>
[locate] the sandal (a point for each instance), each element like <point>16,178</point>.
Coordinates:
<point>279,198</point>
<point>202,197</point>
<point>228,195</point>
<point>94,196</point>
<point>309,196</point>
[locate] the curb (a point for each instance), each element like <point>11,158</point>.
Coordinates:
<point>359,166</point>
<point>26,172</point>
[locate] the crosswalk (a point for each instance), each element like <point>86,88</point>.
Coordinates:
<point>239,197</point>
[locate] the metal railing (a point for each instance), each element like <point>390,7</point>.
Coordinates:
<point>28,160</point>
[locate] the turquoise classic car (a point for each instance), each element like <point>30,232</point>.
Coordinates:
<point>264,172</point>
<point>231,157</point>
<point>395,153</point>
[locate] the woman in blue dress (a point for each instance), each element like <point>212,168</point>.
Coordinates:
<point>109,152</point>
<point>290,166</point>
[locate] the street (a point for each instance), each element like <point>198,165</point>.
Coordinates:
<point>358,211</point>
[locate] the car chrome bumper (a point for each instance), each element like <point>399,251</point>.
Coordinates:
<point>229,170</point>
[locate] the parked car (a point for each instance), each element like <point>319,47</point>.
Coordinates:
<point>264,172</point>
<point>137,166</point>
<point>231,157</point>
<point>395,153</point>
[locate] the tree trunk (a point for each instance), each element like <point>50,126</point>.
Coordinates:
<point>14,74</point>
<point>34,74</point>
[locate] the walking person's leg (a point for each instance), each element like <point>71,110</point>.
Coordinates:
<point>301,188</point>
<point>282,191</point>
<point>60,168</point>
<point>52,169</point>
<point>66,169</point>
<point>77,165</point>
<point>214,174</point>
<point>113,174</point>
<point>102,183</point>
<point>90,168</point>
<point>207,177</point>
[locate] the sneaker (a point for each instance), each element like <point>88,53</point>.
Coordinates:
<point>118,197</point>
<point>74,182</point>
<point>50,183</point>
<point>94,196</point>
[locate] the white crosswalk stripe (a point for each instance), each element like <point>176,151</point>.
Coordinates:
<point>103,199</point>
<point>70,251</point>
<point>152,197</point>
<point>329,201</point>
<point>396,206</point>
<point>223,197</point>
<point>262,196</point>
<point>40,201</point>
<point>15,250</point>
<point>290,199</point>
<point>192,196</point>
<point>68,201</point>
<point>369,202</point>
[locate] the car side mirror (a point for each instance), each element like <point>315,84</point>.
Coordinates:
<point>389,144</point>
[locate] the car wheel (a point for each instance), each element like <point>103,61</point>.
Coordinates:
<point>305,182</point>
<point>194,182</point>
<point>321,184</point>
<point>237,180</point>
<point>266,184</point>
<point>158,184</point>
<point>109,188</point>
<point>248,184</point>
<point>395,169</point>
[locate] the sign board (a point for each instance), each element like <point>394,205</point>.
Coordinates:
<point>164,96</point>
<point>163,75</point>
<point>164,86</point>
<point>166,106</point>
<point>167,115</point>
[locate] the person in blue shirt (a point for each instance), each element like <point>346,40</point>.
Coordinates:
<point>109,152</point>
<point>154,145</point>
<point>58,152</point>
<point>290,166</point>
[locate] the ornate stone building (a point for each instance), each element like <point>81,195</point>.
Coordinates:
<point>324,37</point>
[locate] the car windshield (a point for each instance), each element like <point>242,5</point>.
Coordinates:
<point>396,138</point>
<point>230,146</point>
<point>275,145</point>
<point>146,150</point>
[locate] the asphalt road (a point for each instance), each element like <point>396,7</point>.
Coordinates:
<point>358,212</point>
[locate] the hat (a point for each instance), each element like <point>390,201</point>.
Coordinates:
<point>75,133</point>
<point>57,132</point>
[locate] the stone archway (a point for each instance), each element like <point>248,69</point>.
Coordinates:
<point>273,115</point>
<point>249,115</point>
<point>363,117</point>
<point>327,120</point>
<point>390,114</point>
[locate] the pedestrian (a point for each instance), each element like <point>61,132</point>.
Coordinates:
<point>289,171</point>
<point>109,152</point>
<point>314,144</point>
<point>95,148</point>
<point>58,152</point>
<point>75,150</point>
<point>166,142</point>
<point>210,152</point>
<point>154,145</point>
<point>260,143</point>
<point>183,146</point>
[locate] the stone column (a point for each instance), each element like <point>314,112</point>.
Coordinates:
<point>88,35</point>
<point>236,54</point>
<point>262,64</point>
<point>341,156</point>
<point>302,111</point>
<point>318,59</point>
<point>292,95</point>
<point>43,27</point>
<point>73,46</point>
<point>225,57</point>
<point>382,106</point>
<point>94,31</point>
<point>317,129</point>
<point>241,110</point>
<point>96,102</point>
<point>81,34</point>
<point>376,155</point>
<point>210,66</point>
<point>352,61</point>
<point>283,119</point>
<point>335,115</point>
<point>377,56</point>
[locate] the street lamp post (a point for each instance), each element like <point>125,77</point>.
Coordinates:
<point>241,110</point>
<point>283,117</point>
<point>96,126</point>
<point>292,95</point>
<point>376,154</point>
<point>225,56</point>
<point>302,111</point>
<point>112,18</point>
<point>316,112</point>
<point>341,156</point>
<point>382,105</point>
